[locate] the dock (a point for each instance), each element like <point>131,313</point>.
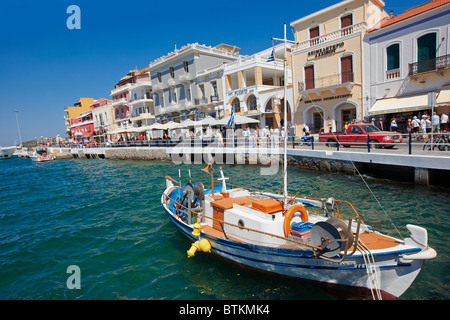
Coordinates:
<point>421,167</point>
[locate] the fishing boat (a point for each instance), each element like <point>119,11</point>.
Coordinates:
<point>321,239</point>
<point>40,154</point>
<point>302,238</point>
<point>7,152</point>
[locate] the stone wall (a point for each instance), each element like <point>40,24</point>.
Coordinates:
<point>137,154</point>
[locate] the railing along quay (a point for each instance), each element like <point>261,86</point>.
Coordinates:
<point>437,144</point>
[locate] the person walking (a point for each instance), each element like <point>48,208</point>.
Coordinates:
<point>443,123</point>
<point>435,122</point>
<point>394,126</point>
<point>415,126</point>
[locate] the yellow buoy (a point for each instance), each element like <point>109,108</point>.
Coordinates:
<point>191,252</point>
<point>204,245</point>
<point>196,231</point>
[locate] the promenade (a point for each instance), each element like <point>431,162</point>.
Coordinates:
<point>407,161</point>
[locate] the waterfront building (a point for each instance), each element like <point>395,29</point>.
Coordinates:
<point>103,117</point>
<point>82,128</point>
<point>187,83</point>
<point>327,64</point>
<point>132,103</point>
<point>74,112</point>
<point>254,87</point>
<point>409,58</point>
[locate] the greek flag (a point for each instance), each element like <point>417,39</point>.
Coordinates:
<point>272,56</point>
<point>231,121</point>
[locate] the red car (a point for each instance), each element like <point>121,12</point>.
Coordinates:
<point>358,135</point>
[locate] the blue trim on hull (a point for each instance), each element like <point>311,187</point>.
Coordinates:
<point>281,252</point>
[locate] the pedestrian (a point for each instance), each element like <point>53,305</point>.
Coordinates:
<point>306,130</point>
<point>435,122</point>
<point>394,126</point>
<point>415,126</point>
<point>443,124</point>
<point>409,126</point>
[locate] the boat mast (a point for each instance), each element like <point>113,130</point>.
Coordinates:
<point>285,194</point>
<point>18,128</point>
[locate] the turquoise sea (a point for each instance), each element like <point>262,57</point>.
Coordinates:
<point>105,217</point>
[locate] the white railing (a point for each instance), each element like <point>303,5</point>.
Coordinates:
<point>341,33</point>
<point>119,102</point>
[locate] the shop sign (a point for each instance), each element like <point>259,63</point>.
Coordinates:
<point>325,51</point>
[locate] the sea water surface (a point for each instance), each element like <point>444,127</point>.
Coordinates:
<point>105,217</point>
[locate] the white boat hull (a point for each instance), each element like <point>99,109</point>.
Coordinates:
<point>7,152</point>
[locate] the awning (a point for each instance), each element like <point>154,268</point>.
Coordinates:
<point>443,98</point>
<point>400,104</point>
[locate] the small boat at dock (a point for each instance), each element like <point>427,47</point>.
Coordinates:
<point>301,238</point>
<point>40,154</point>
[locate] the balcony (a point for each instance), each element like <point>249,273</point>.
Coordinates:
<point>140,85</point>
<point>120,89</point>
<point>184,78</point>
<point>119,102</point>
<point>143,99</point>
<point>393,74</point>
<point>142,117</point>
<point>435,64</point>
<point>329,83</point>
<point>332,36</point>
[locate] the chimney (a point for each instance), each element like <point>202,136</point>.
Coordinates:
<point>391,13</point>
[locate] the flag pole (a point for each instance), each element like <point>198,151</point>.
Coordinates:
<point>285,194</point>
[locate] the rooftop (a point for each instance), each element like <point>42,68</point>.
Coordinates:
<point>425,7</point>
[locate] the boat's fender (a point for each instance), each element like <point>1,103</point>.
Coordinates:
<point>290,214</point>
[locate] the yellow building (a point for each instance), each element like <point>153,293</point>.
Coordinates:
<point>328,63</point>
<point>74,112</point>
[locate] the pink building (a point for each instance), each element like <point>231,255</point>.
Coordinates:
<point>82,128</point>
<point>129,103</point>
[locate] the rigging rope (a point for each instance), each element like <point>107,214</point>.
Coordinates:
<point>360,175</point>
<point>371,270</point>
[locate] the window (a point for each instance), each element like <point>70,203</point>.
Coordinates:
<point>188,94</point>
<point>346,22</point>
<point>158,74</point>
<point>172,72</point>
<point>214,87</point>
<point>186,66</point>
<point>347,69</point>
<point>202,90</point>
<point>251,103</point>
<point>174,95</point>
<point>309,77</point>
<point>393,57</point>
<point>313,34</point>
<point>236,105</point>
<point>426,47</point>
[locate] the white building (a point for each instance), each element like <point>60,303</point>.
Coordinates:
<point>254,87</point>
<point>103,117</point>
<point>187,83</point>
<point>409,57</point>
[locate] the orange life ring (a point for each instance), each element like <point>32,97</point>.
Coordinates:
<point>290,213</point>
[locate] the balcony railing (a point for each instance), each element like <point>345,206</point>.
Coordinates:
<point>331,36</point>
<point>119,102</point>
<point>333,80</point>
<point>392,74</point>
<point>434,64</point>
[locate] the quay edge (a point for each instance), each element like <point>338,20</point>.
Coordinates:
<point>419,169</point>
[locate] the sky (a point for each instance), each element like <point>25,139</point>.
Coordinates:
<point>46,67</point>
